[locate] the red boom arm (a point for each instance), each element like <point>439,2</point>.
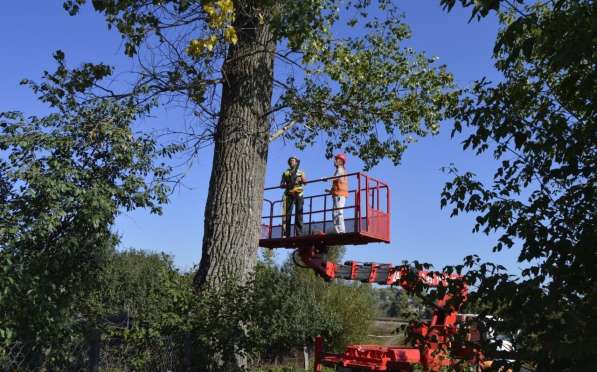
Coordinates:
<point>432,344</point>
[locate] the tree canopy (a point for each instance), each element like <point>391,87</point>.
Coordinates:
<point>341,67</point>
<point>540,123</point>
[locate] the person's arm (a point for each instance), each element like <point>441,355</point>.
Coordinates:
<point>303,178</point>
<point>283,181</point>
<point>330,187</point>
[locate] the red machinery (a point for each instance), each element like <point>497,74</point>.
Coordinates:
<point>368,220</point>
<point>432,339</point>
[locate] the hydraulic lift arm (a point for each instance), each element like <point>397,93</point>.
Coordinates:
<point>432,338</point>
<point>383,274</point>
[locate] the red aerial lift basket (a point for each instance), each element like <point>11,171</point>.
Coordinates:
<point>366,215</point>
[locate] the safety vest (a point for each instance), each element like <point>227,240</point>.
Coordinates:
<point>287,179</point>
<point>340,185</point>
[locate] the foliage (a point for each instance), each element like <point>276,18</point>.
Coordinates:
<point>365,93</point>
<point>278,313</point>
<point>140,286</point>
<point>351,306</point>
<point>539,121</point>
<point>140,299</point>
<point>265,319</point>
<point>347,75</point>
<point>388,302</point>
<point>396,303</point>
<point>65,177</point>
<point>289,313</point>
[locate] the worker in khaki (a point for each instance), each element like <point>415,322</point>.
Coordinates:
<point>293,181</point>
<point>339,192</point>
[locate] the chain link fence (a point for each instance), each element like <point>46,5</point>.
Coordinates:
<point>13,357</point>
<point>149,354</point>
<point>153,354</point>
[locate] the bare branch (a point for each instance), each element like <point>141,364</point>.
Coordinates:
<point>280,132</point>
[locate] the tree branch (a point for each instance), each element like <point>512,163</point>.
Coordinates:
<point>280,132</point>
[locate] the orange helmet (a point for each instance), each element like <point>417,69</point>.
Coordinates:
<point>341,156</point>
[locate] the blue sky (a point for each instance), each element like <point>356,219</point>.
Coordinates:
<point>32,30</point>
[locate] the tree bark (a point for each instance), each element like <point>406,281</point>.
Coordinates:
<point>235,197</point>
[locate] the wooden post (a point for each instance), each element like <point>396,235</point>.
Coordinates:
<point>306,357</point>
<point>95,338</point>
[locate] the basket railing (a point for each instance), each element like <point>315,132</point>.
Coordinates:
<point>366,211</point>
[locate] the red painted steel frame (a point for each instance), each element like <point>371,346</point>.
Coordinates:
<point>371,221</point>
<point>431,350</point>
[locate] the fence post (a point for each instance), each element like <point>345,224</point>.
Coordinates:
<point>306,357</point>
<point>188,352</point>
<point>95,339</point>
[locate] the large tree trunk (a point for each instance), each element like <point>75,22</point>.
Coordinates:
<point>234,203</point>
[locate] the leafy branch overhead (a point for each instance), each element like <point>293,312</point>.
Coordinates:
<point>539,122</point>
<point>368,95</point>
<point>343,74</point>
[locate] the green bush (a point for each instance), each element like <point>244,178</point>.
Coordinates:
<point>143,299</point>
<point>143,306</point>
<point>64,178</point>
<point>279,312</point>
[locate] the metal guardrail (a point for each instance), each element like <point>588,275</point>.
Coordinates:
<point>367,209</point>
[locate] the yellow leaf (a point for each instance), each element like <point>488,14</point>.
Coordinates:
<point>211,42</point>
<point>216,22</point>
<point>230,35</point>
<point>209,9</point>
<point>198,46</point>
<point>226,5</point>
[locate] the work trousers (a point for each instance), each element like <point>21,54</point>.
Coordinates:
<point>296,200</point>
<point>338,214</point>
